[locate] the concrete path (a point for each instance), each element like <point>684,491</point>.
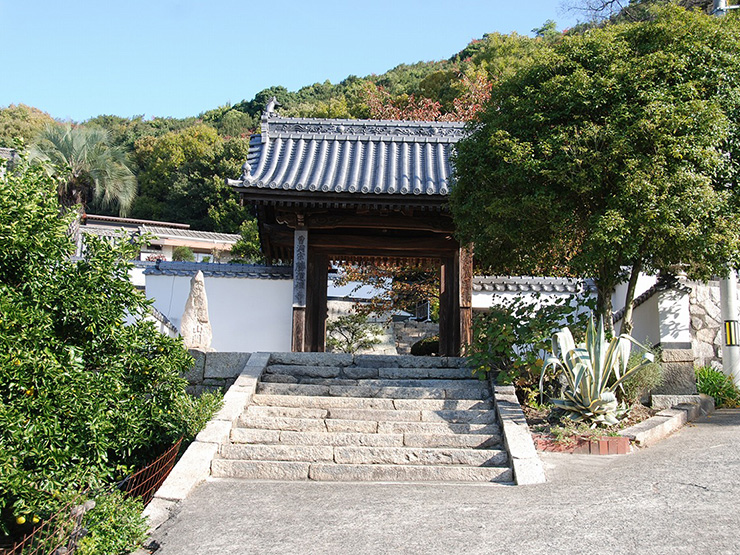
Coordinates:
<point>680,496</point>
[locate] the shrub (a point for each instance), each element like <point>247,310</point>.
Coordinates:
<point>718,386</point>
<point>183,254</point>
<point>350,333</point>
<point>115,526</point>
<point>511,341</point>
<point>641,382</point>
<point>84,398</point>
<point>426,347</point>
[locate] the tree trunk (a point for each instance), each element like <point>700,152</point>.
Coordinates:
<point>629,299</point>
<point>604,306</point>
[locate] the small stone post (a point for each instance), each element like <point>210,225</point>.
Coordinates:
<point>196,326</point>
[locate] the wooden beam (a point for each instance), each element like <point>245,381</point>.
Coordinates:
<point>466,297</point>
<point>351,220</point>
<point>316,301</point>
<point>300,269</point>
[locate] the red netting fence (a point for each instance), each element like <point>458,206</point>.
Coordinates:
<point>61,533</point>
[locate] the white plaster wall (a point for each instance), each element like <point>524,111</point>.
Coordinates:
<point>644,282</point>
<point>645,319</point>
<point>247,315</point>
<point>484,300</point>
<point>675,316</point>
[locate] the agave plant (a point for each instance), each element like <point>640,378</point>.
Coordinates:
<point>593,371</point>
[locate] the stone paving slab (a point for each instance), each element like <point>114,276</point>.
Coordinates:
<point>324,402</point>
<point>419,456</point>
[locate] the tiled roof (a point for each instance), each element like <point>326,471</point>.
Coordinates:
<point>526,284</point>
<point>175,233</point>
<point>351,156</point>
<point>165,268</point>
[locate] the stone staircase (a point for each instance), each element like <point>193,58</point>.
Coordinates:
<point>334,417</point>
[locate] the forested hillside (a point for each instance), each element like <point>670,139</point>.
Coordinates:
<point>180,164</point>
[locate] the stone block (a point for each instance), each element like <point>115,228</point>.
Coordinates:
<point>460,441</point>
<point>157,512</point>
<point>260,470</point>
<point>654,429</point>
<point>376,361</point>
<point>254,435</point>
<point>419,455</point>
<point>308,371</point>
<point>411,361</point>
<point>292,389</point>
<point>437,428</point>
<point>394,473</point>
<point>195,374</point>
<point>455,362</point>
<point>282,423</point>
<point>403,373</point>
<point>679,379</point>
<point>518,440</point>
<point>192,468</point>
<point>504,390</point>
<point>472,416</point>
<point>660,402</point>
<point>224,365</point>
<point>294,453</point>
<point>216,431</point>
<point>359,373</point>
<point>312,359</point>
<point>443,404</point>
<point>376,415</point>
<point>259,360</point>
<point>352,426</point>
<point>528,472</point>
<point>707,403</point>
<point>341,439</point>
<point>677,355</point>
<point>235,400</point>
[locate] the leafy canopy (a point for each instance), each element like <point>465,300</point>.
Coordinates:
<point>617,147</point>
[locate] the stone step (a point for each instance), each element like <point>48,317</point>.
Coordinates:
<point>363,426</point>
<point>370,403</point>
<point>276,470</point>
<point>365,372</point>
<point>365,455</point>
<point>287,437</point>
<point>285,412</point>
<point>339,439</point>
<point>381,382</point>
<point>452,416</point>
<point>388,392</point>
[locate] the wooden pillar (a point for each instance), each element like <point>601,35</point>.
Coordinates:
<point>449,306</point>
<point>466,297</point>
<point>300,271</point>
<point>317,273</point>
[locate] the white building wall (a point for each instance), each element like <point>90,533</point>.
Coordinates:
<point>646,322</point>
<point>247,315</point>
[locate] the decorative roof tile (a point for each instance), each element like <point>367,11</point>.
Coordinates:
<point>189,269</point>
<point>528,284</point>
<point>351,156</point>
<point>176,233</point>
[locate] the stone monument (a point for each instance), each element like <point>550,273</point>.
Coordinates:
<point>196,327</point>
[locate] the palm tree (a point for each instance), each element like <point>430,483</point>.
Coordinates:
<point>87,165</point>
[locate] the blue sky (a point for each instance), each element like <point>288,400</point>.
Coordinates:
<point>80,58</point>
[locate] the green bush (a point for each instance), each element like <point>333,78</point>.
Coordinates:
<point>115,526</point>
<point>641,382</point>
<point>84,397</point>
<point>426,347</point>
<point>719,386</point>
<point>511,341</point>
<point>350,333</point>
<point>183,254</point>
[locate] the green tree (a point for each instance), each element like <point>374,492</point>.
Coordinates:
<point>84,395</point>
<point>613,149</point>
<point>181,178</point>
<point>86,166</point>
<point>21,121</point>
<point>247,249</point>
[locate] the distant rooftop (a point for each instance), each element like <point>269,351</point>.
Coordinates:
<point>351,157</point>
<point>164,268</point>
<point>527,284</point>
